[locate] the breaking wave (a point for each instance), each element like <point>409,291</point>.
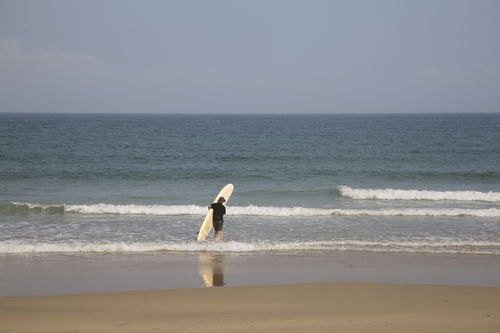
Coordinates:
<point>395,194</point>
<point>25,208</point>
<point>452,247</point>
<point>166,210</point>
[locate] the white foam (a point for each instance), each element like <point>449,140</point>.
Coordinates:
<point>277,211</point>
<point>166,210</point>
<point>136,209</point>
<point>436,246</point>
<point>450,212</point>
<point>133,209</point>
<point>395,194</point>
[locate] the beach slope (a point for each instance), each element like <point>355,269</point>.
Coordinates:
<point>318,307</point>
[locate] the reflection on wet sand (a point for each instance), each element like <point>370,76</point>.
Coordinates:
<point>211,268</point>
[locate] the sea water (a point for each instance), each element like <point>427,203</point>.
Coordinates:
<point>80,183</point>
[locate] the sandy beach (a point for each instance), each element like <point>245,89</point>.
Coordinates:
<point>316,307</point>
<point>260,293</point>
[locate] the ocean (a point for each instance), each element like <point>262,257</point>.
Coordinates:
<point>405,183</point>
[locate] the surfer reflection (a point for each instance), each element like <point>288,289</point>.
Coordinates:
<point>211,268</point>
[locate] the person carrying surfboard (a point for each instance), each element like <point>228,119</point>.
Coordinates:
<point>218,216</point>
<point>213,220</point>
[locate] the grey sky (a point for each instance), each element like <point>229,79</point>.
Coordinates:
<point>269,56</point>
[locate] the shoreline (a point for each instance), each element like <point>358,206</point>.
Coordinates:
<point>59,274</point>
<point>315,307</point>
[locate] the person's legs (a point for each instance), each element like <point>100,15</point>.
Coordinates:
<point>218,229</point>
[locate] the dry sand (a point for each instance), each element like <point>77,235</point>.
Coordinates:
<point>318,307</point>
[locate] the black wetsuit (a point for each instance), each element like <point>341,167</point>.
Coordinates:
<point>218,217</point>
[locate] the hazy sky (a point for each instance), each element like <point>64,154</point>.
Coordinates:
<point>269,56</point>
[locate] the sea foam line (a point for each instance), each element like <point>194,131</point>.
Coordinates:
<point>455,247</point>
<point>451,212</point>
<point>166,210</point>
<point>395,194</point>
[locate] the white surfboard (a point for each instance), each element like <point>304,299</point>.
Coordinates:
<point>207,224</point>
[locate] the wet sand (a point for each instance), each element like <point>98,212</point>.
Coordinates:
<point>317,307</point>
<point>32,275</point>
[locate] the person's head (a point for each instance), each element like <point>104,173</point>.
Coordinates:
<point>222,200</point>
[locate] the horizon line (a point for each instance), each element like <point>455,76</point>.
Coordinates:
<point>248,113</point>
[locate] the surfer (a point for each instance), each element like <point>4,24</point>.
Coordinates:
<point>218,216</point>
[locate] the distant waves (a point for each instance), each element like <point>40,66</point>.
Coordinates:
<point>166,210</point>
<point>395,194</point>
<point>27,208</point>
